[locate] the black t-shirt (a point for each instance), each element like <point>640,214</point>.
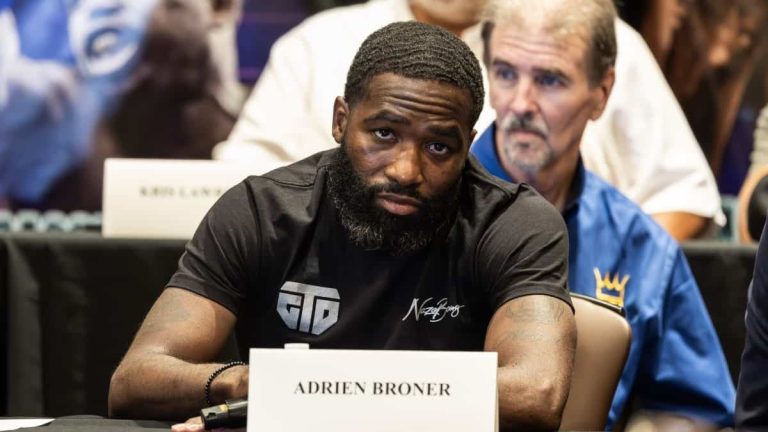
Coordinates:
<point>273,252</point>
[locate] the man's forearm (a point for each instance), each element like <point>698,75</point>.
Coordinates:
<point>535,338</point>
<point>536,405</point>
<point>667,421</point>
<point>683,226</point>
<point>159,386</point>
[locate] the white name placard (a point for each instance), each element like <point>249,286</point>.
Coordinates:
<point>352,391</point>
<point>151,198</point>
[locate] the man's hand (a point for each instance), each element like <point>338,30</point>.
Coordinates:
<point>195,424</point>
<point>230,384</point>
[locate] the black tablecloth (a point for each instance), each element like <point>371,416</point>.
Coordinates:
<point>73,304</point>
<point>98,424</point>
<point>70,305</point>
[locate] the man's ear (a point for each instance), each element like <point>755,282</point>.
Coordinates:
<point>340,117</point>
<point>602,92</point>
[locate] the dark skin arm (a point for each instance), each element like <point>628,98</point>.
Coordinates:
<point>663,421</point>
<point>163,374</point>
<point>535,338</point>
<point>682,226</point>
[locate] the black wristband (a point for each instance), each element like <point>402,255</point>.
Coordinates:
<point>214,375</point>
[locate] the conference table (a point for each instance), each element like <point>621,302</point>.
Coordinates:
<point>70,304</point>
<point>100,424</point>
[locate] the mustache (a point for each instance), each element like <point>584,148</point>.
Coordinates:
<point>512,123</point>
<point>396,188</point>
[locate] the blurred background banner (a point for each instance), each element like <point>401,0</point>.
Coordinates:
<point>64,65</point>
<point>81,80</point>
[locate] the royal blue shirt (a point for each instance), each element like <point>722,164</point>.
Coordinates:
<point>620,255</point>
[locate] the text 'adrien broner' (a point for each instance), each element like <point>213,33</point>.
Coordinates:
<point>375,388</point>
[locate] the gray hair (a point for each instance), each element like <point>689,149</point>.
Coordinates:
<point>594,19</point>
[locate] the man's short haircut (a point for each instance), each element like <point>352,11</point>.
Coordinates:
<point>418,51</point>
<point>594,19</point>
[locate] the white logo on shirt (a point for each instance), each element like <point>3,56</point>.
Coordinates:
<point>436,312</point>
<point>308,308</point>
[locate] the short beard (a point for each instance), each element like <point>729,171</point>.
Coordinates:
<point>530,166</point>
<point>373,228</point>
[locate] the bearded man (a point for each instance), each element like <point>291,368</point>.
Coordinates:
<point>336,249</point>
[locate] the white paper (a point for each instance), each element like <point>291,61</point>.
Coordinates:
<point>148,198</point>
<point>13,424</point>
<point>425,391</point>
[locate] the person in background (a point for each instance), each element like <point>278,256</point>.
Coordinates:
<point>759,156</point>
<point>286,116</point>
<point>753,196</point>
<point>397,216</point>
<point>551,70</point>
<point>657,21</point>
<point>642,145</point>
<point>752,391</point>
<point>710,65</point>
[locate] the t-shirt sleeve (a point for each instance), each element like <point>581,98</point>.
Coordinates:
<point>221,258</point>
<point>524,252</point>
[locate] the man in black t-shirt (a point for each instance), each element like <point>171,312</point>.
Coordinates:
<point>397,240</point>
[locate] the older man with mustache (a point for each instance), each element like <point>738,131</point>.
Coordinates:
<point>551,70</point>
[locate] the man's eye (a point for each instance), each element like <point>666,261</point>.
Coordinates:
<point>550,80</point>
<point>439,149</point>
<point>384,134</point>
<point>506,74</point>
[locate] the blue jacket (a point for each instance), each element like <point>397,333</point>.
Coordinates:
<point>620,255</point>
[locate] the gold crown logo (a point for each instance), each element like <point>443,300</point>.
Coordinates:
<point>610,289</point>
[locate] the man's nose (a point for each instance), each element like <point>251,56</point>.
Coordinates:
<point>523,101</point>
<point>405,167</point>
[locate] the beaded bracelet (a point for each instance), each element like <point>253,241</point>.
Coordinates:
<point>214,375</point>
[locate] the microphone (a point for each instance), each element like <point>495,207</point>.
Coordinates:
<point>231,414</point>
